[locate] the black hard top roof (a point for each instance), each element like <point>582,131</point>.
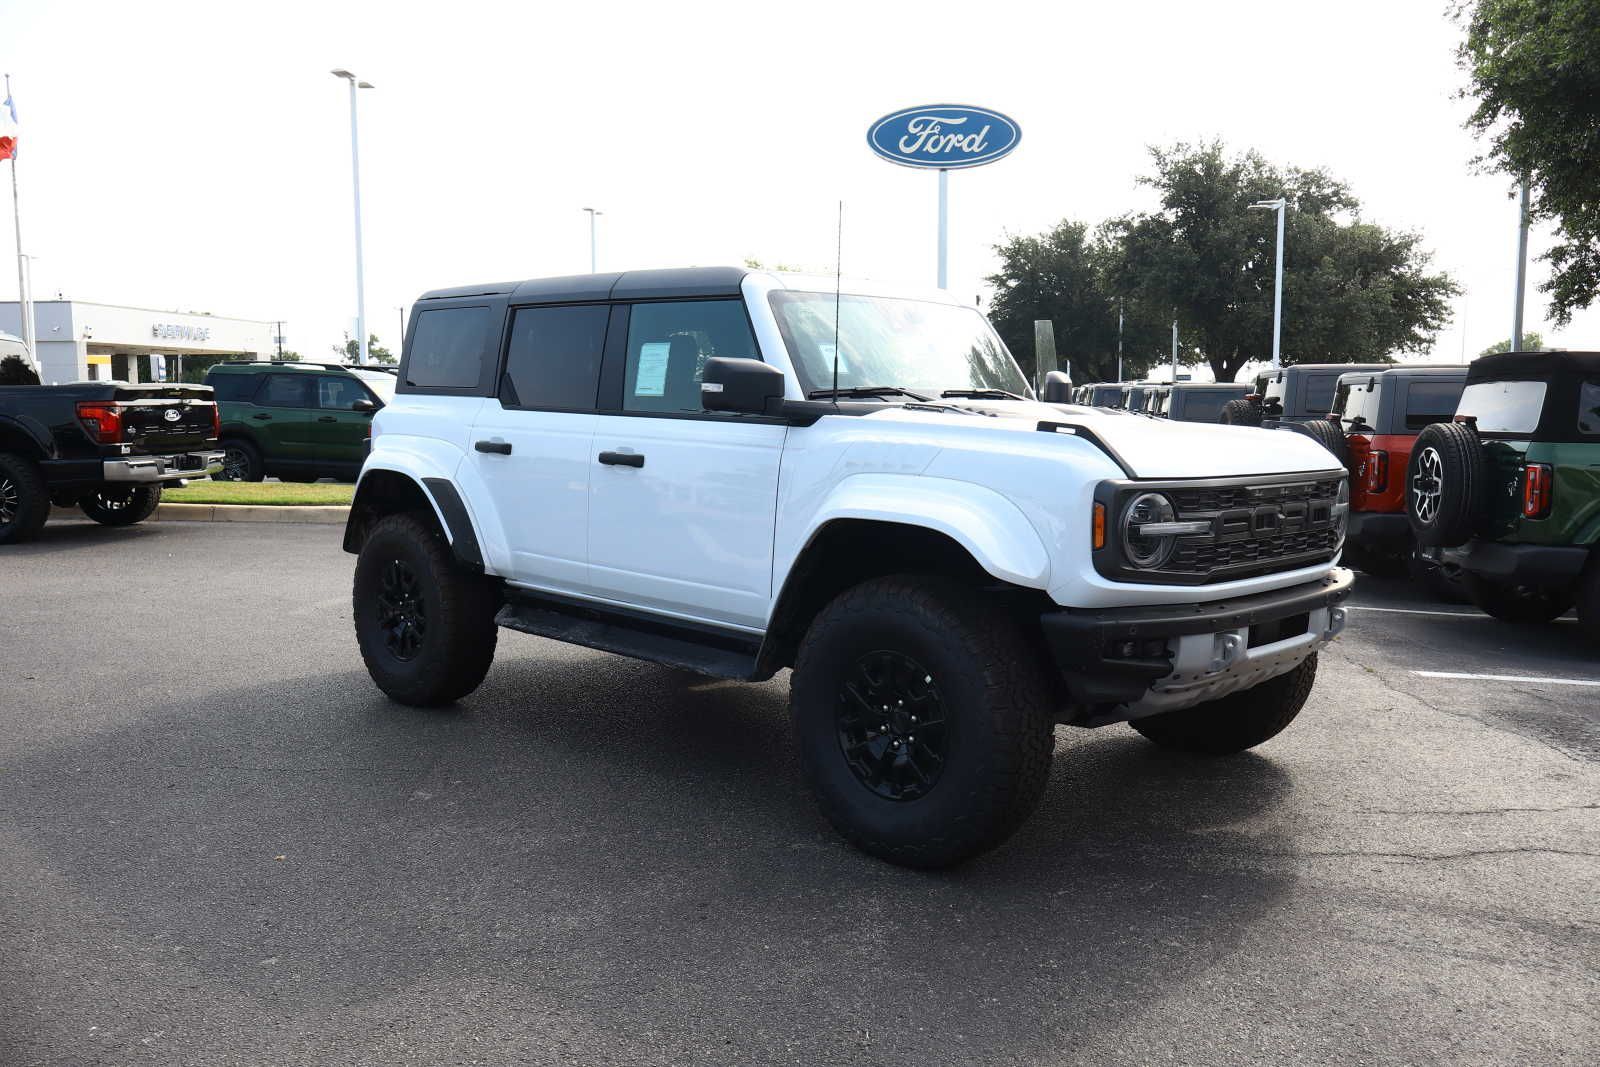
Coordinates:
<point>1533,366</point>
<point>627,285</point>
<point>1213,385</point>
<point>1340,367</point>
<point>1425,370</point>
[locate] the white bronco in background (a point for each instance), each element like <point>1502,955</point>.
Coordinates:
<point>737,472</point>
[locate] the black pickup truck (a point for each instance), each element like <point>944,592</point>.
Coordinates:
<point>105,447</point>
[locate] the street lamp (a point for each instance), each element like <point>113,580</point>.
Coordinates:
<point>1277,285</point>
<point>593,213</point>
<point>355,178</point>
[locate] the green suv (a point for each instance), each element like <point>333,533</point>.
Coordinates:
<point>1509,492</point>
<point>296,421</point>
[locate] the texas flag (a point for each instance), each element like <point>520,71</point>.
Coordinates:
<point>8,130</point>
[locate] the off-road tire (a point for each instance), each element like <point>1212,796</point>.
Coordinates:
<point>24,499</point>
<point>1444,484</point>
<point>1516,603</point>
<point>241,462</point>
<point>1237,721</point>
<point>1240,412</point>
<point>1326,433</point>
<point>126,505</point>
<point>996,704</point>
<point>457,608</point>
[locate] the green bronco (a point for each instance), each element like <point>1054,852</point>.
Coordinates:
<point>1509,492</point>
<point>296,421</point>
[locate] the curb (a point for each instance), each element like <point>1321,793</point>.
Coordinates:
<point>324,514</point>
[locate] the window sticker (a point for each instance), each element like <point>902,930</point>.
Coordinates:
<point>651,379</point>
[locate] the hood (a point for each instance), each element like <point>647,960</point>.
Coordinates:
<point>1150,448</point>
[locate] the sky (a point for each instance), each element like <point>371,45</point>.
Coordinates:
<point>196,156</point>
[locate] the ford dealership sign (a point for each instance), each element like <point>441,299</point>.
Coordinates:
<point>943,136</point>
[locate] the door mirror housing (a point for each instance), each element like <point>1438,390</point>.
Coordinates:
<point>741,386</point>
<point>364,405</point>
<point>1057,388</point>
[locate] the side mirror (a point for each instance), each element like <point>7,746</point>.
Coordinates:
<point>744,386</point>
<point>1057,388</point>
<point>364,405</point>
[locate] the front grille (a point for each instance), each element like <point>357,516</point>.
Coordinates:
<point>1256,527</point>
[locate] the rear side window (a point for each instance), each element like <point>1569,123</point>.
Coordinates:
<point>1430,402</point>
<point>1319,393</point>
<point>668,345</point>
<point>447,348</point>
<point>234,387</point>
<point>1589,408</point>
<point>553,361</point>
<point>285,391</point>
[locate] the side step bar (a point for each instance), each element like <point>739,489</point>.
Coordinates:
<point>705,650</point>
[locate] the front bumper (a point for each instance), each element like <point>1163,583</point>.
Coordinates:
<point>1519,564</point>
<point>1123,663</point>
<point>146,469</point>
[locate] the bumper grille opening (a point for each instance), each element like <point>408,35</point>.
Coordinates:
<point>1267,633</point>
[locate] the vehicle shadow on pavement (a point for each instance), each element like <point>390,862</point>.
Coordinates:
<point>617,853</point>
<point>77,532</point>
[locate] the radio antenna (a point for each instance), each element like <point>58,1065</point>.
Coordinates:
<point>838,270</point>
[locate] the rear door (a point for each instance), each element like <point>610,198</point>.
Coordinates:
<point>285,412</point>
<point>682,501</point>
<point>531,442</point>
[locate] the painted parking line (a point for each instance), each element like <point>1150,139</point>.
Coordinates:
<point>1441,614</point>
<point>1535,679</point>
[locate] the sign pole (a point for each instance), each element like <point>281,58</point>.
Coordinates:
<point>1522,268</point>
<point>944,228</point>
<point>24,297</point>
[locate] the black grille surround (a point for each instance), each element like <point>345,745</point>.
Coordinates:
<point>1260,525</point>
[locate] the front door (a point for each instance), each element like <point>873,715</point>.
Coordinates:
<point>682,501</point>
<point>531,443</point>
<point>341,432</point>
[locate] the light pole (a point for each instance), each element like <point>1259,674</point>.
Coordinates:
<point>1522,270</point>
<point>1119,340</point>
<point>1277,283</point>
<point>355,178</point>
<point>402,333</point>
<point>593,214</point>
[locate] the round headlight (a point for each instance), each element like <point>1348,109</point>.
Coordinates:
<point>1143,550</point>
<point>1341,514</point>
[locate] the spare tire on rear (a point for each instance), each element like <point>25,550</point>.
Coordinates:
<point>1326,433</point>
<point>1444,484</point>
<point>1240,412</point>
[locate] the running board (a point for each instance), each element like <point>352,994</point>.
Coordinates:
<point>703,649</point>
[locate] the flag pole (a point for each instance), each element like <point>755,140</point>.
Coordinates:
<point>24,305</point>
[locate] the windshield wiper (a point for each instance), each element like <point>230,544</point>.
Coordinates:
<point>983,394</point>
<point>864,390</point>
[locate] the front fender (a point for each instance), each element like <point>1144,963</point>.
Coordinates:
<point>988,525</point>
<point>430,465</point>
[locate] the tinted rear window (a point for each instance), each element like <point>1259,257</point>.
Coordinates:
<point>233,386</point>
<point>1206,406</point>
<point>1319,393</point>
<point>447,348</point>
<point>554,358</point>
<point>1430,402</point>
<point>1357,403</point>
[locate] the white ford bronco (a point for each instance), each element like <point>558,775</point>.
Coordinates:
<point>737,472</point>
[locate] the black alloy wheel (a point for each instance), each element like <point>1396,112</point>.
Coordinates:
<point>891,725</point>
<point>402,616</point>
<point>235,464</point>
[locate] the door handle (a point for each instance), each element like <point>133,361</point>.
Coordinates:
<point>326,418</point>
<point>498,448</point>
<point>622,459</point>
<point>261,415</point>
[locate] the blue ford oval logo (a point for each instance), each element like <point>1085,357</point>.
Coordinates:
<point>943,136</point>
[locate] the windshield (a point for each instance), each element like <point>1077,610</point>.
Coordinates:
<point>1504,407</point>
<point>914,344</point>
<point>381,384</point>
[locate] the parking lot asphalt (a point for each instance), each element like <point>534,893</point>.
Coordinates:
<point>221,845</point>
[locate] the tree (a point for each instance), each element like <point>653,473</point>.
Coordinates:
<point>351,350</point>
<point>1060,275</point>
<point>1534,66</point>
<point>1531,342</point>
<point>1352,290</point>
<point>14,370</point>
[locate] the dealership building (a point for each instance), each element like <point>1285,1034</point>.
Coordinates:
<point>78,340</point>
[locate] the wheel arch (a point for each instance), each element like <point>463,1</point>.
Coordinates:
<point>383,491</point>
<point>24,437</point>
<point>846,551</point>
